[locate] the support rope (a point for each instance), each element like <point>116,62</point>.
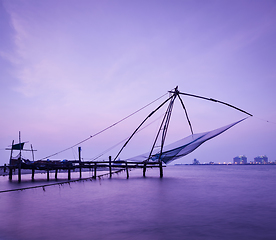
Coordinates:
<point>109,149</point>
<point>186,113</point>
<point>215,100</point>
<point>142,124</point>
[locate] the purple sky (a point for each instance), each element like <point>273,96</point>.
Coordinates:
<point>68,69</point>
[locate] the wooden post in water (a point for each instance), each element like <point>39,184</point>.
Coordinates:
<point>69,173</point>
<point>110,172</point>
<point>10,173</point>
<point>95,170</point>
<point>56,174</point>
<point>144,169</point>
<point>127,171</point>
<point>19,170</point>
<point>33,173</point>
<point>161,169</point>
<point>80,159</point>
<point>48,174</point>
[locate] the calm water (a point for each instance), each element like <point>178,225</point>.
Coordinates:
<point>190,202</point>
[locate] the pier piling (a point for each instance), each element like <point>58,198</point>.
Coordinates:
<point>110,166</point>
<point>161,169</point>
<point>10,173</point>
<point>95,170</point>
<point>127,171</point>
<point>144,169</point>
<point>19,170</point>
<point>33,173</point>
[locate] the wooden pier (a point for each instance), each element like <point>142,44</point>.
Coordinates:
<point>79,166</point>
<point>157,154</point>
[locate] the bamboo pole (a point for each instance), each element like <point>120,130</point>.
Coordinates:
<point>95,170</point>
<point>10,168</point>
<point>32,151</point>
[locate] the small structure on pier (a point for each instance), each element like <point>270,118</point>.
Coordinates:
<point>18,162</point>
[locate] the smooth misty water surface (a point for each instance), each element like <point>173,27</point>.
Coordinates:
<point>190,202</point>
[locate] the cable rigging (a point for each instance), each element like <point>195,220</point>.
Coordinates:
<point>165,122</point>
<point>175,93</point>
<point>107,150</point>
